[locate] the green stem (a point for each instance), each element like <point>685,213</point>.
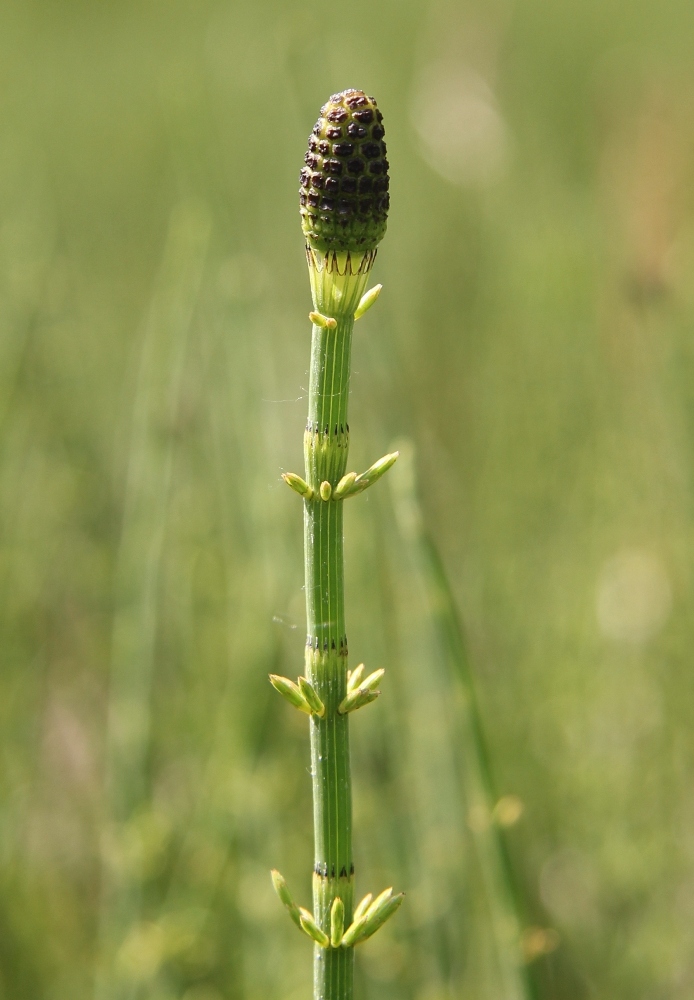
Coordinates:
<point>336,293</point>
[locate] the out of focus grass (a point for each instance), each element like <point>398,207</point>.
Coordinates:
<point>534,340</point>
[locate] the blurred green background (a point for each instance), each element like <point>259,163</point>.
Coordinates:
<point>533,345</point>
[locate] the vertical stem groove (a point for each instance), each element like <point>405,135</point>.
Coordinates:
<point>336,292</point>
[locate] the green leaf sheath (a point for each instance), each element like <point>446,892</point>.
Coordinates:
<point>326,443</point>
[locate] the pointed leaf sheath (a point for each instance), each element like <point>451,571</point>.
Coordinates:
<point>337,922</point>
<point>344,185</point>
<point>352,484</point>
<point>310,927</point>
<point>363,906</point>
<point>309,693</point>
<point>369,919</point>
<point>371,682</point>
<point>353,932</point>
<point>344,486</point>
<point>364,912</point>
<point>354,677</point>
<point>375,472</point>
<point>367,300</point>
<point>289,690</point>
<point>298,485</point>
<point>360,692</point>
<point>358,697</point>
<point>376,917</point>
<point>379,901</point>
<point>282,890</point>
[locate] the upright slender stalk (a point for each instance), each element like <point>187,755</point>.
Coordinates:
<point>326,443</point>
<point>344,204</point>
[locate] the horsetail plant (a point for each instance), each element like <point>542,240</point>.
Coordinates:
<point>344,207</point>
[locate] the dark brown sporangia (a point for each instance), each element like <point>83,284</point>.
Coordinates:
<point>344,185</point>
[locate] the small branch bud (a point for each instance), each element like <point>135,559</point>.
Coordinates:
<point>357,699</point>
<point>289,690</point>
<point>326,490</point>
<point>371,682</point>
<point>337,922</point>
<point>367,300</point>
<point>363,907</point>
<point>379,912</point>
<point>360,692</point>
<point>310,927</point>
<point>308,691</point>
<point>353,932</point>
<point>282,890</point>
<point>375,472</point>
<point>378,902</point>
<point>368,919</point>
<point>318,319</point>
<point>343,487</point>
<point>354,677</point>
<point>350,485</point>
<point>298,485</point>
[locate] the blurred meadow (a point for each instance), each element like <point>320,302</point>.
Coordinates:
<point>525,574</point>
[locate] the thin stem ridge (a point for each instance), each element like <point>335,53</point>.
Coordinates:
<point>326,446</point>
<point>344,205</point>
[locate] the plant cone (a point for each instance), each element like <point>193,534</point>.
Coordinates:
<point>344,185</point>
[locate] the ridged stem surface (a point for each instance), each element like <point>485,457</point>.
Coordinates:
<point>326,444</point>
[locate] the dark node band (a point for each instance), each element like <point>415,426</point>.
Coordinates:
<point>321,870</point>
